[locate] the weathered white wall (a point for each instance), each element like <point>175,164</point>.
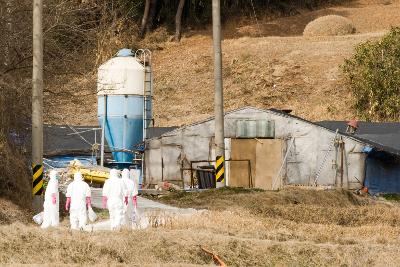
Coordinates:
<point>311,144</point>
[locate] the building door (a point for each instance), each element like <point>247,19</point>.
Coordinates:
<point>171,163</point>
<point>265,156</point>
<point>241,173</point>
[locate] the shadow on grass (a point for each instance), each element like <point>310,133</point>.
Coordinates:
<point>392,197</point>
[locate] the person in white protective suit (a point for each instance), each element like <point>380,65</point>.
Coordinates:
<point>134,174</point>
<point>51,217</point>
<point>78,200</point>
<point>114,197</point>
<point>129,209</point>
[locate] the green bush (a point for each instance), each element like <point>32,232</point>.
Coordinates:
<point>373,75</point>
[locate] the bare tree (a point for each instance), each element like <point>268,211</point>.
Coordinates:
<point>149,13</point>
<point>145,18</point>
<point>178,21</point>
<point>7,31</point>
<point>152,14</point>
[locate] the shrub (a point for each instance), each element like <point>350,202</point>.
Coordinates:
<point>373,75</point>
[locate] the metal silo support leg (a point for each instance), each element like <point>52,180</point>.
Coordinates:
<point>103,131</point>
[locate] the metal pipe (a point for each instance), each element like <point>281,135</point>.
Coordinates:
<point>341,161</point>
<point>182,178</point>
<point>250,175</point>
<point>336,143</point>
<point>37,97</point>
<point>103,131</point>
<point>283,163</point>
<point>125,126</point>
<point>97,148</point>
<point>162,169</point>
<point>219,98</point>
<point>191,175</point>
<point>144,102</point>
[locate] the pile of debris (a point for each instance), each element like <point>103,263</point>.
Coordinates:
<point>94,175</point>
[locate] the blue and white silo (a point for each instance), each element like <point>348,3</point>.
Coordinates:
<point>124,102</point>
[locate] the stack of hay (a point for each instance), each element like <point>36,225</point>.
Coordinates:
<point>330,25</point>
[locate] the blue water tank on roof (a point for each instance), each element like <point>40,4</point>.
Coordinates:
<point>120,104</point>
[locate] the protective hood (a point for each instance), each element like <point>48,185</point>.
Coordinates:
<point>125,174</point>
<point>114,174</point>
<point>78,176</point>
<point>54,175</point>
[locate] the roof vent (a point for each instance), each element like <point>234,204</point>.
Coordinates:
<point>352,126</point>
<point>288,111</point>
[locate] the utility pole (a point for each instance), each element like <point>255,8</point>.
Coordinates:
<point>219,96</point>
<point>37,106</point>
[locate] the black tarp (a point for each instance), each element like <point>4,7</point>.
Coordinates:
<point>64,139</point>
<point>78,140</point>
<point>382,173</point>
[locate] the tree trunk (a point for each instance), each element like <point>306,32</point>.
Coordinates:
<point>7,34</point>
<point>152,14</point>
<point>145,18</point>
<point>178,21</point>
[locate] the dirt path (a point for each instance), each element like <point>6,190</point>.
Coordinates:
<point>149,213</point>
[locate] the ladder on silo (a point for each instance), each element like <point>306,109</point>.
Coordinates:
<point>144,55</point>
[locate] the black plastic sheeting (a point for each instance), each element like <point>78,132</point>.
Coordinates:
<point>382,173</point>
<point>78,140</point>
<point>154,132</point>
<point>64,139</point>
<point>381,135</point>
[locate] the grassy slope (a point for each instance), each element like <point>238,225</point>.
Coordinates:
<point>268,71</point>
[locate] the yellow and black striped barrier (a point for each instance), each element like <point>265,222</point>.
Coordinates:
<point>37,180</point>
<point>220,172</point>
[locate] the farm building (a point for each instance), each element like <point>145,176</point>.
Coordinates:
<point>382,172</point>
<point>265,149</point>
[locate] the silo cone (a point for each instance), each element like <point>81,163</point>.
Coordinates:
<point>120,104</point>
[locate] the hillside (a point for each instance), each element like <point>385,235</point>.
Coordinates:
<point>266,64</point>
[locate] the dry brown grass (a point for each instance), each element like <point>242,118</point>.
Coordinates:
<point>14,173</point>
<point>282,72</point>
<point>330,25</point>
<point>295,205</point>
<point>312,228</point>
<point>11,213</point>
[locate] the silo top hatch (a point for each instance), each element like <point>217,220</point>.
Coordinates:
<point>121,75</point>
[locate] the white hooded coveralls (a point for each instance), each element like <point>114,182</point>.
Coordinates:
<point>130,187</point>
<point>115,191</point>
<point>78,191</point>
<point>51,216</point>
